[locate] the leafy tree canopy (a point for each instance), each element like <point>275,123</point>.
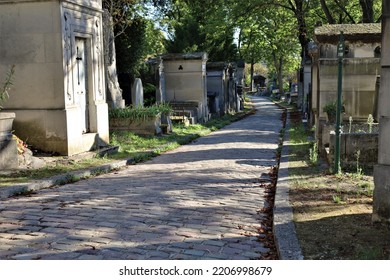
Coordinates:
<point>275,32</point>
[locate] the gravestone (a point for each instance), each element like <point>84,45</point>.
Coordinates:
<point>137,93</point>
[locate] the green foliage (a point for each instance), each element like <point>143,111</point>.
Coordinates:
<point>367,187</point>
<point>270,37</point>
<point>121,11</point>
<point>201,26</point>
<point>6,86</point>
<point>298,134</point>
<point>330,108</point>
<point>149,94</point>
<point>350,124</point>
<point>140,40</point>
<point>370,122</point>
<point>359,170</point>
<point>313,154</point>
<point>337,199</point>
<point>140,113</point>
<point>274,32</point>
<point>149,88</point>
<point>144,147</point>
<point>350,11</point>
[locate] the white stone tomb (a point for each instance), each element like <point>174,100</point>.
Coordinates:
<point>59,87</point>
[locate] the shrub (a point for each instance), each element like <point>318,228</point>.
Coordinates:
<point>140,113</point>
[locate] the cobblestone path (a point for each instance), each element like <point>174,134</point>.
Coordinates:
<point>199,201</point>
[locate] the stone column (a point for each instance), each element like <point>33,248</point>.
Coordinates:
<point>381,206</point>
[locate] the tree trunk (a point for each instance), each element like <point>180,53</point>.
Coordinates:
<point>252,70</point>
<point>368,10</point>
<point>302,28</point>
<point>328,15</point>
<point>113,90</point>
<point>280,75</point>
<point>278,64</point>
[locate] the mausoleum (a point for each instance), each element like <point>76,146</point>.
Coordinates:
<point>185,83</point>
<point>217,87</point>
<point>58,94</point>
<point>361,67</point>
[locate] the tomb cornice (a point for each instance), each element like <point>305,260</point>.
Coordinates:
<point>83,5</point>
<point>95,5</point>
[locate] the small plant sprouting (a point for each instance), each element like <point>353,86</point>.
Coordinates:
<point>368,188</point>
<point>359,170</point>
<point>370,122</point>
<point>5,87</point>
<point>350,124</point>
<point>337,199</point>
<point>313,154</point>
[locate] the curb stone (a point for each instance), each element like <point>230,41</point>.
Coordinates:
<point>62,179</point>
<point>285,235</point>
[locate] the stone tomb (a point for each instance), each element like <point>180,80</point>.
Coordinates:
<point>361,66</point>
<point>185,85</point>
<point>217,87</point>
<point>222,87</point>
<point>59,89</point>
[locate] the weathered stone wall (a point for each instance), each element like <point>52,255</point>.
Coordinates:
<point>30,38</point>
<point>351,143</point>
<point>359,80</point>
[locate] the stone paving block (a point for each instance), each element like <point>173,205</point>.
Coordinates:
<point>4,227</point>
<point>239,246</point>
<point>251,255</point>
<point>90,257</point>
<point>5,253</point>
<point>22,235</point>
<point>158,255</point>
<point>207,248</point>
<point>216,256</point>
<point>197,253</point>
<point>107,225</point>
<point>54,229</point>
<point>215,243</point>
<point>231,251</point>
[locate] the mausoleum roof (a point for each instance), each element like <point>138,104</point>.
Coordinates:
<point>364,32</point>
<point>185,56</point>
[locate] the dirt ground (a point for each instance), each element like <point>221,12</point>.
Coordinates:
<point>332,214</point>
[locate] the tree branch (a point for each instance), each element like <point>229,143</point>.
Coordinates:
<point>345,11</point>
<point>328,15</point>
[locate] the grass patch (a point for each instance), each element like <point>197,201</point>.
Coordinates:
<point>140,113</point>
<point>332,213</point>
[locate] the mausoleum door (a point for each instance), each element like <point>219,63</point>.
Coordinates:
<point>81,97</point>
